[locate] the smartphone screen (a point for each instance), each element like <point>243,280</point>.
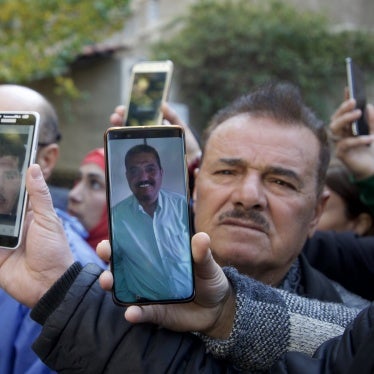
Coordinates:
<point>18,143</point>
<point>150,82</point>
<point>356,87</point>
<point>149,220</point>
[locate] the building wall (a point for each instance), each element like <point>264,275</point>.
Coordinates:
<point>102,79</point>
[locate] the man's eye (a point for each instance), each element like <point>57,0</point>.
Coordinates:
<point>283,183</point>
<point>150,170</point>
<point>134,172</point>
<point>224,172</point>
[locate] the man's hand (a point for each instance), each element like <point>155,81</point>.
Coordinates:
<point>29,271</point>
<point>211,312</point>
<point>357,153</point>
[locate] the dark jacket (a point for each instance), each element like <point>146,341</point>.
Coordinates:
<point>315,285</point>
<point>351,353</point>
<point>85,332</point>
<point>345,258</point>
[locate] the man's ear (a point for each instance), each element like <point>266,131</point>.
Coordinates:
<point>47,158</point>
<point>320,207</point>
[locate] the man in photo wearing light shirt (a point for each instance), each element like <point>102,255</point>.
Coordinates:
<point>151,234</point>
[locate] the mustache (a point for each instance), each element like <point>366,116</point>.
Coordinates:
<point>251,215</point>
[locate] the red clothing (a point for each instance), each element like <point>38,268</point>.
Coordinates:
<point>100,232</point>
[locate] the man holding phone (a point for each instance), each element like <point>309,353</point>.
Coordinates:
<point>18,329</point>
<point>150,235</point>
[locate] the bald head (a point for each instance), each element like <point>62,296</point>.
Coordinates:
<point>15,97</point>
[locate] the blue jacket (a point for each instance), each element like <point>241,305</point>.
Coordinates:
<point>18,331</point>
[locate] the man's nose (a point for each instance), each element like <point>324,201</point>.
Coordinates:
<point>250,191</point>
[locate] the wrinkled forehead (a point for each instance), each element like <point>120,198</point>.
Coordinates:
<point>263,142</point>
<point>247,128</point>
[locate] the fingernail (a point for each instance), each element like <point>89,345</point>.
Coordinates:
<point>36,173</point>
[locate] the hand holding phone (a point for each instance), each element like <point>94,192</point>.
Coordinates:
<point>356,87</point>
<point>149,220</point>
<point>149,88</point>
<point>18,144</point>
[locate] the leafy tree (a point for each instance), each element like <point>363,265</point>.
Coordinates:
<point>39,38</point>
<point>223,48</point>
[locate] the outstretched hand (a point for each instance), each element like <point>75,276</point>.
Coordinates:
<point>211,312</point>
<point>356,152</point>
<point>27,272</point>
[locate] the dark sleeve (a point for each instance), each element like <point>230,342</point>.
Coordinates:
<point>85,332</point>
<point>352,352</point>
<point>345,258</point>
<point>349,353</point>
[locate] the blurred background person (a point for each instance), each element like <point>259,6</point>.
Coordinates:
<point>87,199</point>
<point>348,257</point>
<point>344,210</point>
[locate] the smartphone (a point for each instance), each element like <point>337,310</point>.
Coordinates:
<point>149,214</point>
<point>18,145</point>
<point>356,87</point>
<point>149,88</point>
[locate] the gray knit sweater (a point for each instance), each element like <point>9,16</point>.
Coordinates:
<point>269,322</point>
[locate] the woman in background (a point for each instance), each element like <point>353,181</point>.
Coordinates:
<point>87,199</point>
<point>344,209</point>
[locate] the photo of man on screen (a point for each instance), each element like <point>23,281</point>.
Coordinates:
<point>12,155</point>
<point>151,235</point>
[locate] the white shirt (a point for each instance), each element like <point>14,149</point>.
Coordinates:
<point>151,256</point>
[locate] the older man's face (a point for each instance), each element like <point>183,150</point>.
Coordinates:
<point>255,194</point>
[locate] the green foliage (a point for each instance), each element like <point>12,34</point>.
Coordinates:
<point>39,38</point>
<point>223,48</point>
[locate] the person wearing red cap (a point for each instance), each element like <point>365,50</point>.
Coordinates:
<point>87,199</point>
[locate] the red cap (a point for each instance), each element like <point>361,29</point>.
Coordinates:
<point>95,156</point>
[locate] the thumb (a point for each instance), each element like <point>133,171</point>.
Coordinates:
<point>206,268</point>
<point>40,199</point>
<point>39,196</point>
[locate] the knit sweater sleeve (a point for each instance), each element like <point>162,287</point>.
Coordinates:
<point>269,322</point>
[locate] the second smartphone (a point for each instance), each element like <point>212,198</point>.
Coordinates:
<point>149,88</point>
<point>356,87</point>
<point>18,145</point>
<point>149,220</point>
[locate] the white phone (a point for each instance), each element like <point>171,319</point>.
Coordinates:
<point>18,146</point>
<point>149,88</point>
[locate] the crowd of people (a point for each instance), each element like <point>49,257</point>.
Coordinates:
<point>283,252</point>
